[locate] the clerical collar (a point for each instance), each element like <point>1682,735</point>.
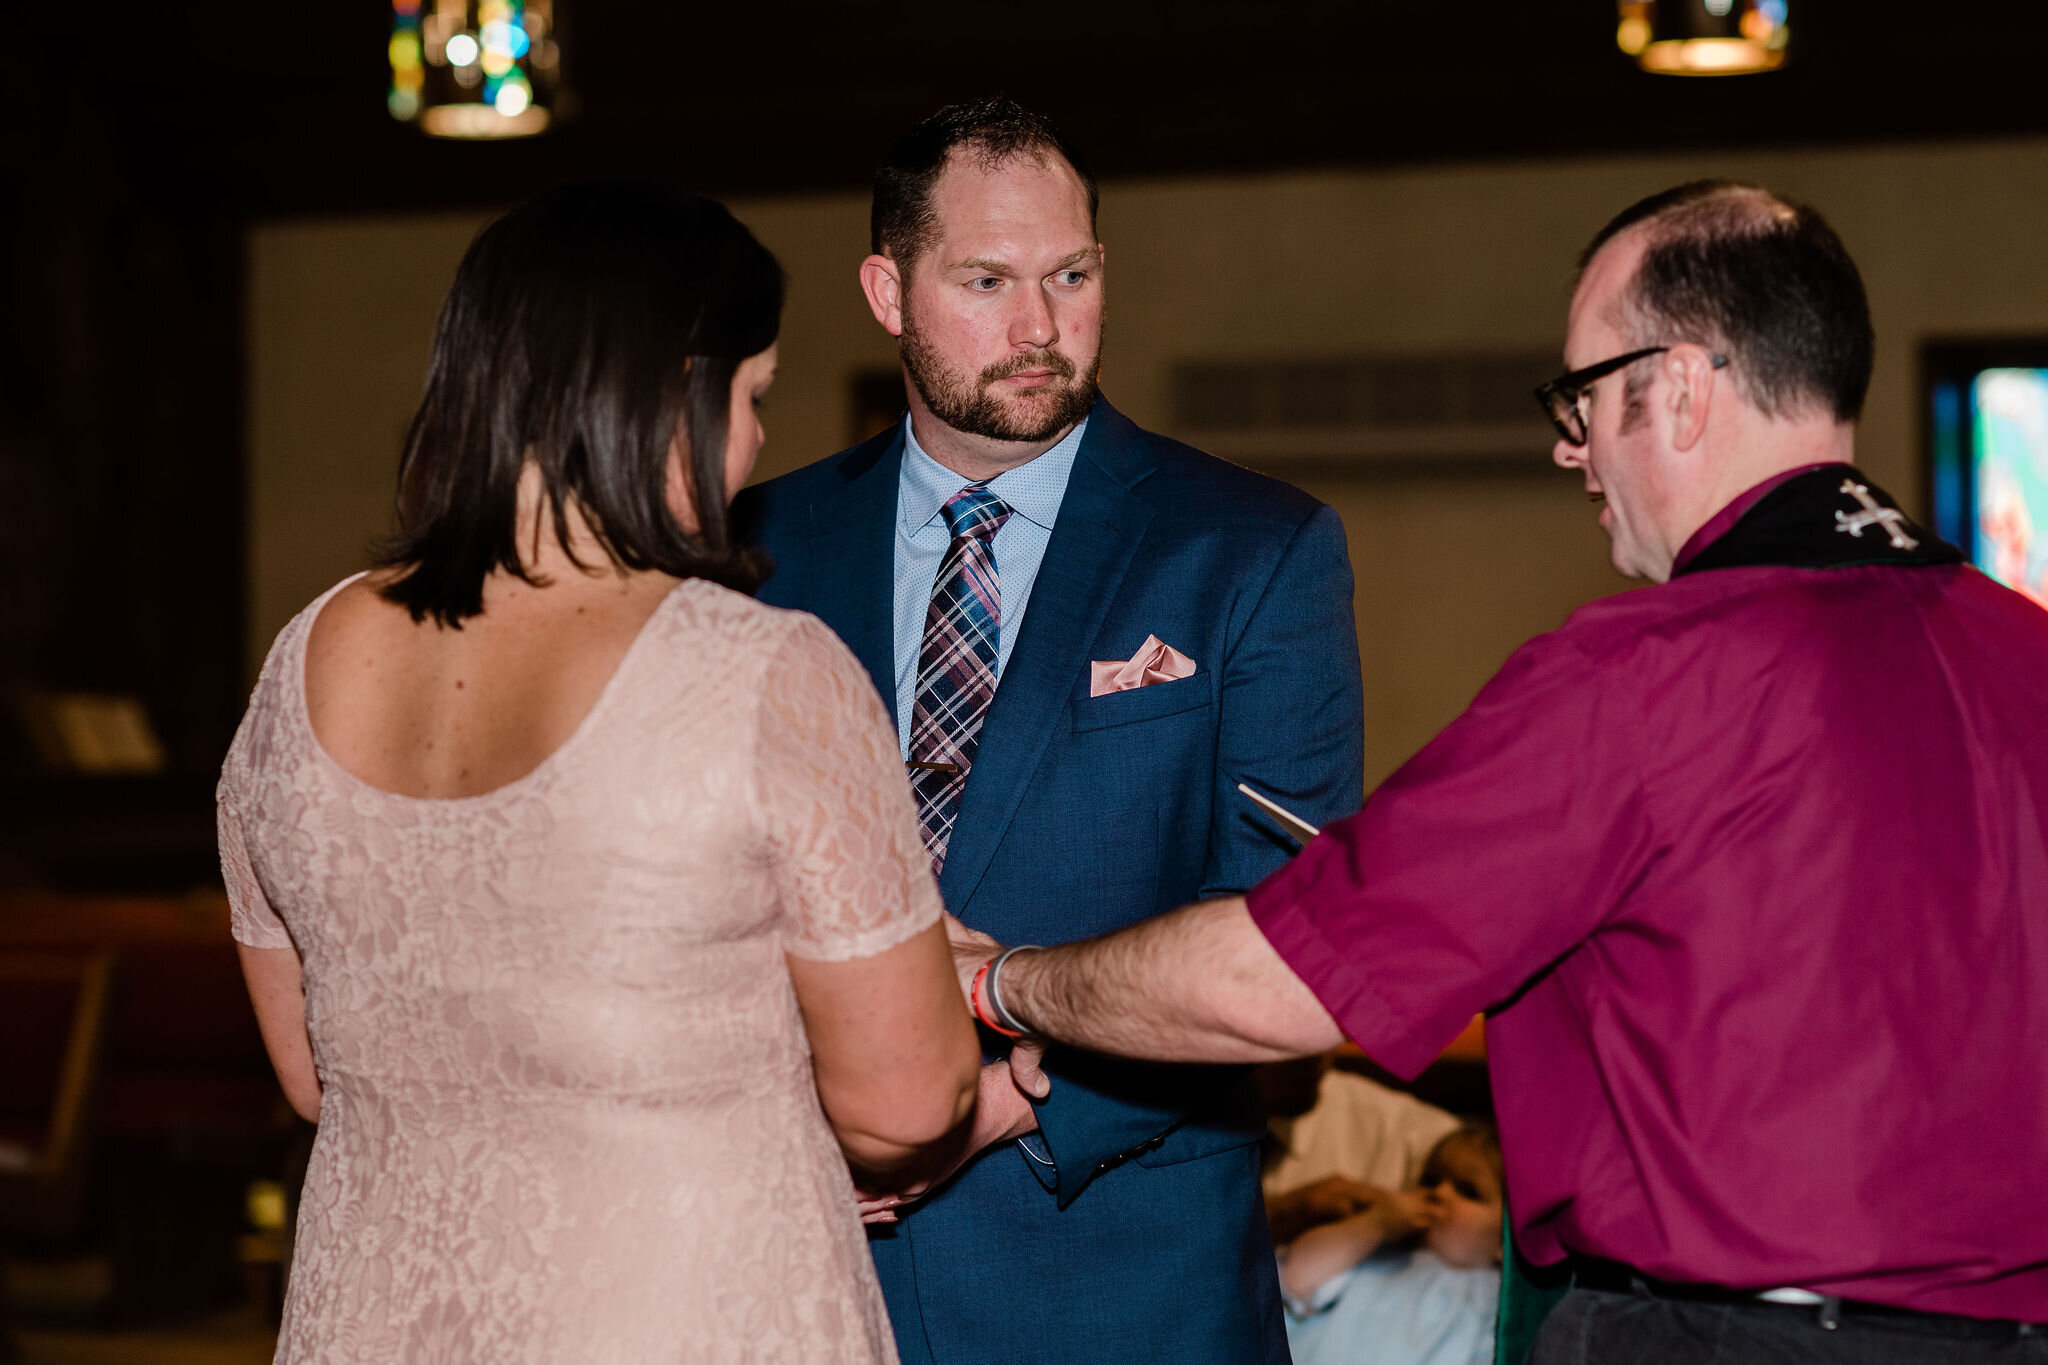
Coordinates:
<point>1824,516</point>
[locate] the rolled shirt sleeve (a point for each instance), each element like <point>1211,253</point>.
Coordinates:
<point>1485,859</point>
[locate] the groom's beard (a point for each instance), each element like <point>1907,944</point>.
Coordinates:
<point>975,407</point>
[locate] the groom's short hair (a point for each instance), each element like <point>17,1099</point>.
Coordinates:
<point>993,131</point>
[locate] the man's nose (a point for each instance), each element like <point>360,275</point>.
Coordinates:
<point>1567,455</point>
<point>1033,325</point>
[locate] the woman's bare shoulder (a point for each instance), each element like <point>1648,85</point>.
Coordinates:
<point>357,624</point>
<point>365,594</point>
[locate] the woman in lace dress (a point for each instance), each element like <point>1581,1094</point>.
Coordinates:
<point>579,894</point>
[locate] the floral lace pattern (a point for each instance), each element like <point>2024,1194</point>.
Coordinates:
<point>567,1105</point>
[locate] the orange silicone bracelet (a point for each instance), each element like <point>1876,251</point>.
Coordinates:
<point>978,999</point>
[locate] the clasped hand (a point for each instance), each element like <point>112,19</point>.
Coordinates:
<point>1002,1109</point>
<point>972,950</point>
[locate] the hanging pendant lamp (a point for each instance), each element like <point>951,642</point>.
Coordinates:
<point>474,68</point>
<point>1705,37</point>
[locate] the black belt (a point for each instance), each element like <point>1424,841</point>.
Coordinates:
<point>1613,1277</point>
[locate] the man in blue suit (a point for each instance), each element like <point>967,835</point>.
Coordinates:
<point>1089,635</point>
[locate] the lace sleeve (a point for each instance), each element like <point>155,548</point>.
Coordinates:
<point>853,874</point>
<point>251,919</point>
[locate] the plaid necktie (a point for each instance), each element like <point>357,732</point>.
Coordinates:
<point>956,665</point>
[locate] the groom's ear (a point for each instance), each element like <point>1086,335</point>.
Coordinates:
<point>882,282</point>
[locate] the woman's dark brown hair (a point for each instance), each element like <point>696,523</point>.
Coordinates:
<point>584,331</point>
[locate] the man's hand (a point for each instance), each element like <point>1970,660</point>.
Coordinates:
<point>1001,1114</point>
<point>972,950</point>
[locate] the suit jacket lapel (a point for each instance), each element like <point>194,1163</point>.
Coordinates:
<point>1100,524</point>
<point>853,551</point>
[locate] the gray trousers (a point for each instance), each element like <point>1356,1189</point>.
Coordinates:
<point>1594,1327</point>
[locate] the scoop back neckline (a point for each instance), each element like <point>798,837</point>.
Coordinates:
<point>552,759</point>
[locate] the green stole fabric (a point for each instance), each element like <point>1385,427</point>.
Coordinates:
<point>1527,1294</point>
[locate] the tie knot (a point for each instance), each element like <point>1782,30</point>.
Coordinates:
<point>974,511</point>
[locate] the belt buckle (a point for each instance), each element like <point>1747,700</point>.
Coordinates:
<point>1830,1308</point>
<point>1798,1298</point>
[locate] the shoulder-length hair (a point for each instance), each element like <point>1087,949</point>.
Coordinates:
<point>585,330</point>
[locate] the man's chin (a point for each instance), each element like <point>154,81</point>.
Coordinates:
<point>1634,566</point>
<point>1041,414</point>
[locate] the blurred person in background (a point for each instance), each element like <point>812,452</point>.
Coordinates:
<point>1335,1139</point>
<point>1749,867</point>
<point>1089,635</point>
<point>1411,1277</point>
<point>579,896</point>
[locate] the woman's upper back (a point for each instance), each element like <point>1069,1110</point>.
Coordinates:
<point>613,912</point>
<point>429,711</point>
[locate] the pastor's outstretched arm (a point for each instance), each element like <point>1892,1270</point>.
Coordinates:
<point>1201,984</point>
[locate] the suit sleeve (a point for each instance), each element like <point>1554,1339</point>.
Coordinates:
<point>1291,724</point>
<point>762,517</point>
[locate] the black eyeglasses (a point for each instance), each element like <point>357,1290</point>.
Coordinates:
<point>1560,397</point>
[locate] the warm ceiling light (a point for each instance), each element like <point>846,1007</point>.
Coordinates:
<point>474,68</point>
<point>1705,37</point>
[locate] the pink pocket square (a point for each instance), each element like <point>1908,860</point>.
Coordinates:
<point>1155,662</point>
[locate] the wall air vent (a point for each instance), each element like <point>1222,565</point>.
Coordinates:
<point>1407,413</point>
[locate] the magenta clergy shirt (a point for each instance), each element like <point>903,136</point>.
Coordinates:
<point>1751,869</point>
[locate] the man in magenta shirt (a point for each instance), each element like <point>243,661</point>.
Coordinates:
<point>1749,869</point>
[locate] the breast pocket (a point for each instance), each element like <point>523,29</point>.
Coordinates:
<point>1142,703</point>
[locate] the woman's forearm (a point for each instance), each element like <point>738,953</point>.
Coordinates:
<point>882,1156</point>
<point>278,995</point>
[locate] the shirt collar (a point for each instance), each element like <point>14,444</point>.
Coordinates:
<point>1724,520</point>
<point>1033,490</point>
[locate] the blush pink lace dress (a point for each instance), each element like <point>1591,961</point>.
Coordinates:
<point>568,1112</point>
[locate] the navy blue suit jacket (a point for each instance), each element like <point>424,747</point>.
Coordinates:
<point>1144,1237</point>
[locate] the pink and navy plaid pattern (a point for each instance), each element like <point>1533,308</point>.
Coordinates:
<point>956,667</point>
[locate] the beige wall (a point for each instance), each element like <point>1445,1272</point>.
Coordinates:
<point>1452,571</point>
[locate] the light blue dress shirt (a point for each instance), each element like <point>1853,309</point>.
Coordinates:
<point>1397,1306</point>
<point>1033,492</point>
